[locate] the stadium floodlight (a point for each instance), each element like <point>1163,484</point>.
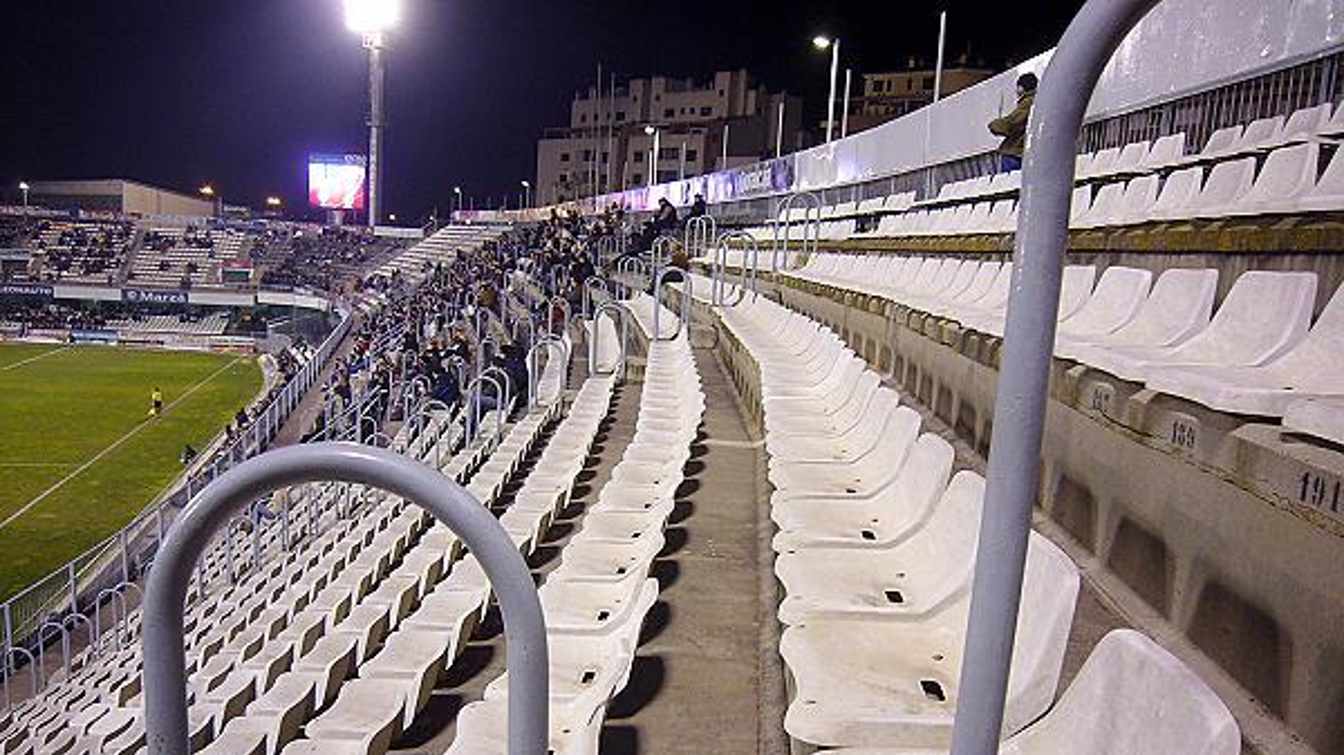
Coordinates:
<point>392,217</point>
<point>372,16</point>
<point>207,191</point>
<point>372,19</point>
<point>23,187</point>
<point>823,42</point>
<point>457,190</point>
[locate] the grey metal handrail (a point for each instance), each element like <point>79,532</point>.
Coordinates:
<point>700,233</point>
<point>1028,345</point>
<point>685,320</point>
<point>660,253</point>
<point>166,729</point>
<point>811,220</point>
<point>721,262</point>
<point>551,304</point>
<point>621,316</point>
<point>588,298</point>
<point>534,368</point>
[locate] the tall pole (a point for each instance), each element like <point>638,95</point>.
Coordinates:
<point>1013,476</point>
<point>611,134</point>
<point>830,101</point>
<point>597,128</point>
<point>844,114</point>
<point>375,44</point>
<point>779,129</point>
<point>938,68</point>
<point>682,171</point>
<point>723,162</point>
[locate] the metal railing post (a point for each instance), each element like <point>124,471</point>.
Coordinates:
<point>166,730</point>
<point>1028,345</point>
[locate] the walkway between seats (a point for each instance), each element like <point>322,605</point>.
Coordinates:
<point>301,420</point>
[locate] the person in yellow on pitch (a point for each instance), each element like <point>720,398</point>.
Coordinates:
<point>155,402</point>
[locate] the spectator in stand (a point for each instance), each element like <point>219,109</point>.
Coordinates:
<point>1013,126</point>
<point>698,208</point>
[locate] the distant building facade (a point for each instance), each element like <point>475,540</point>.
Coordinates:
<point>888,95</point>
<point>605,147</point>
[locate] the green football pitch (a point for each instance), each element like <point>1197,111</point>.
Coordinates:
<point>79,454</point>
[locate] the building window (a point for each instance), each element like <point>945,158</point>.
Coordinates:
<point>637,178</point>
<point>669,153</point>
<point>564,157</point>
<point>563,178</point>
<point>706,111</point>
<point>605,157</point>
<point>692,155</point>
<point>720,92</point>
<point>620,115</point>
<point>669,112</point>
<point>583,117</point>
<point>928,83</point>
<point>587,155</point>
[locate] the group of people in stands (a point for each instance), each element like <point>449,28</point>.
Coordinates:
<point>321,260</point>
<point>81,249</point>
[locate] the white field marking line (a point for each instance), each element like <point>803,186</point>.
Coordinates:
<point>115,444</point>
<point>36,464</point>
<point>32,359</point>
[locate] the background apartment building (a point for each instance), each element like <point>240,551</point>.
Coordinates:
<point>888,95</point>
<point>606,147</point>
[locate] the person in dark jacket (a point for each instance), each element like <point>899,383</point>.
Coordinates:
<point>1013,126</point>
<point>698,208</point>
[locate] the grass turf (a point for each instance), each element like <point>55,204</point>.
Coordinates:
<point>64,407</point>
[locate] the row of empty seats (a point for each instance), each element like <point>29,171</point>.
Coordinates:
<point>875,552</point>
<point>1257,354</point>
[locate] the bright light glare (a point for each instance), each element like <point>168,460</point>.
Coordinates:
<point>821,42</point>
<point>23,186</point>
<point>208,191</point>
<point>273,201</point>
<point>649,130</point>
<point>527,185</point>
<point>372,16</point>
<point>457,189</point>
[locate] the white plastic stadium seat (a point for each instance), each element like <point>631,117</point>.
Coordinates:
<point>1130,697</point>
<point>1309,370</point>
<point>1115,301</point>
<point>1179,306</point>
<point>1322,419</point>
<point>1227,183</point>
<point>1263,316</point>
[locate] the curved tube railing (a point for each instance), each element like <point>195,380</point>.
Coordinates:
<point>700,235</point>
<point>73,620</point>
<point>685,320</point>
<point>506,404</point>
<point>721,262</point>
<point>621,317</point>
<point>534,368</point>
<point>118,621</point>
<point>472,394</point>
<point>811,220</point>
<point>1013,476</point>
<point>588,298</point>
<point>563,304</point>
<point>661,253</point>
<point>32,668</point>
<point>42,644</point>
<point>511,581</point>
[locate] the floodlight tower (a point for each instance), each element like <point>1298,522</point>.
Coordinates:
<point>373,19</point>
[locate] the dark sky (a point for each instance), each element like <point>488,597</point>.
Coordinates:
<point>236,92</point>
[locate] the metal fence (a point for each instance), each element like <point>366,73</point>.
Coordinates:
<point>83,584</point>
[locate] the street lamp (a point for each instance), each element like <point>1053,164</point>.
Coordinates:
<point>207,191</point>
<point>23,187</point>
<point>527,195</point>
<point>273,202</point>
<point>392,218</point>
<point>822,42</point>
<point>372,19</point>
<point>657,134</point>
<point>458,191</point>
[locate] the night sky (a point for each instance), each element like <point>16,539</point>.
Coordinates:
<point>237,92</point>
